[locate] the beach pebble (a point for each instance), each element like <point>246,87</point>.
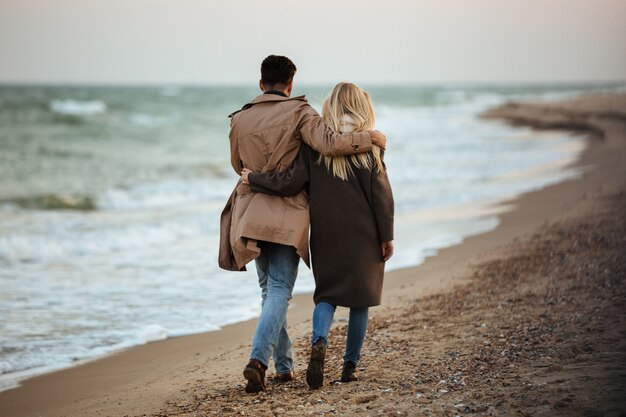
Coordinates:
<point>365,398</point>
<point>464,408</point>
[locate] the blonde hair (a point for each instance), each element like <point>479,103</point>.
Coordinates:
<point>347,99</point>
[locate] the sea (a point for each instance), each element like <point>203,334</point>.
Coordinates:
<point>110,198</point>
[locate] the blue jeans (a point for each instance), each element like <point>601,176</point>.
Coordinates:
<point>277,268</point>
<point>357,326</point>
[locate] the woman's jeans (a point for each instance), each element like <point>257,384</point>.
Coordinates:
<point>357,326</point>
<point>277,268</point>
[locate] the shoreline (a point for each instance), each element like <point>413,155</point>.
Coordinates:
<point>141,379</point>
<point>476,217</point>
<point>470,213</point>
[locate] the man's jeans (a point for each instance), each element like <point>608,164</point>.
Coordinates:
<point>277,268</point>
<point>357,326</point>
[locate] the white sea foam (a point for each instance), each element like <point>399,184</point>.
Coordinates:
<point>148,120</point>
<point>164,193</point>
<point>152,333</point>
<point>81,236</point>
<point>78,108</point>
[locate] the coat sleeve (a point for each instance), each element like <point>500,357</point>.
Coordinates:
<point>382,204</point>
<point>314,132</point>
<point>286,183</point>
<point>235,159</point>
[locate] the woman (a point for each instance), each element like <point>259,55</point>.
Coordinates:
<point>351,209</point>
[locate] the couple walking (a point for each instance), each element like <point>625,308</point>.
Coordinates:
<point>298,168</point>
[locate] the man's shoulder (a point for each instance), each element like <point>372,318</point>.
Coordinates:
<point>298,101</point>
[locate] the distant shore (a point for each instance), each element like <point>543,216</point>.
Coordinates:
<point>490,325</point>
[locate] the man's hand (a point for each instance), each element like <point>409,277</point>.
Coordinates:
<point>378,138</point>
<point>244,175</point>
<point>387,250</point>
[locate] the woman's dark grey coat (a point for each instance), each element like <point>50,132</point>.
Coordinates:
<point>349,221</point>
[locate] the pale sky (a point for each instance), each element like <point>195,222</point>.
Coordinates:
<point>390,41</point>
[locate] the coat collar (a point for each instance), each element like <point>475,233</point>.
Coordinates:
<point>279,93</point>
<point>267,98</point>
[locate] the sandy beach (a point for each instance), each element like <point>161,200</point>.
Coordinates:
<point>525,320</point>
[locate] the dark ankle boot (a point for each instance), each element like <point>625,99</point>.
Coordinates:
<point>315,371</point>
<point>347,374</point>
<point>254,372</point>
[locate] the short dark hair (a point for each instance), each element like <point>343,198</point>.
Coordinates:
<point>277,69</point>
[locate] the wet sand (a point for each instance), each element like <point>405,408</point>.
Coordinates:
<point>525,320</point>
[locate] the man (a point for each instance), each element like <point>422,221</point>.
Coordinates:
<point>266,135</point>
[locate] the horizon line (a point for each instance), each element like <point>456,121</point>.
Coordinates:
<point>130,84</point>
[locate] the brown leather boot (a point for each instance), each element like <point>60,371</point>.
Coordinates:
<point>254,372</point>
<point>282,378</point>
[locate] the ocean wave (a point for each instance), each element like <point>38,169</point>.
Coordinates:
<point>147,120</point>
<point>166,193</point>
<point>140,196</point>
<point>53,202</point>
<point>77,108</point>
